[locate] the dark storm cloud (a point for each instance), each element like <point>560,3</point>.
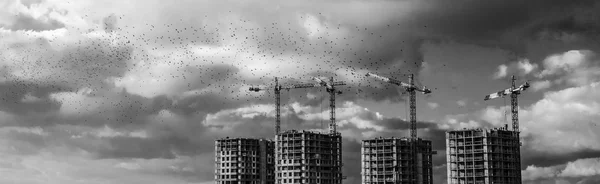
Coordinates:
<point>27,22</point>
<point>580,20</point>
<point>25,143</point>
<point>545,159</point>
<point>21,97</point>
<point>495,23</point>
<point>390,45</point>
<point>128,107</point>
<point>117,109</point>
<point>590,180</point>
<point>85,63</point>
<point>131,147</point>
<point>205,103</point>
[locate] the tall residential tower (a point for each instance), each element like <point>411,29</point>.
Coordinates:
<point>244,161</point>
<point>486,156</point>
<point>389,160</point>
<point>308,157</point>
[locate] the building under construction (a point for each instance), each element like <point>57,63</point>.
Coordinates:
<point>308,157</point>
<point>390,160</point>
<point>244,161</point>
<point>486,156</point>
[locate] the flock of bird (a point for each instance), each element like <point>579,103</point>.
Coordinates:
<point>214,55</point>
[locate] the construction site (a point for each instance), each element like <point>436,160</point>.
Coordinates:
<point>399,160</point>
<point>487,156</point>
<point>308,157</point>
<point>390,160</point>
<point>474,156</point>
<point>244,161</point>
<point>483,156</point>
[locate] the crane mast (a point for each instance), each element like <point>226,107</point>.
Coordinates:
<point>413,108</point>
<point>514,106</point>
<point>514,92</point>
<point>330,87</point>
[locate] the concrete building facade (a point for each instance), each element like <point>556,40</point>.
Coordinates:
<point>483,156</point>
<point>244,161</point>
<point>390,160</point>
<point>308,157</point>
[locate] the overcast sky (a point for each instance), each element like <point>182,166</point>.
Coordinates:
<point>136,91</point>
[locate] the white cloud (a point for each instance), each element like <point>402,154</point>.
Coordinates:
<point>311,96</point>
<point>526,67</point>
<point>109,132</point>
<point>535,173</point>
<point>501,73</point>
<point>227,117</point>
<point>348,112</point>
<point>33,130</point>
<point>455,124</point>
<point>433,105</point>
<point>540,85</point>
<point>582,167</point>
<point>498,117</point>
<point>564,62</point>
<point>575,67</point>
<point>579,168</point>
<point>76,103</point>
<point>521,67</point>
<point>462,103</point>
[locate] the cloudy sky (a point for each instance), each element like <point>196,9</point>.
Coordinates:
<point>136,91</point>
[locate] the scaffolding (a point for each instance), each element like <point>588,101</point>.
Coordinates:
<point>483,156</point>
<point>244,161</point>
<point>308,157</point>
<point>390,160</point>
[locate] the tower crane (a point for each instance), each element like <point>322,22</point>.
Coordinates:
<point>330,87</point>
<point>277,89</point>
<point>412,89</point>
<point>513,91</point>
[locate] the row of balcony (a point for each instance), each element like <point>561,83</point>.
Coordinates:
<point>483,175</point>
<point>481,167</point>
<point>384,180</point>
<point>379,165</point>
<point>380,172</point>
<point>385,145</point>
<point>481,143</point>
<point>505,151</point>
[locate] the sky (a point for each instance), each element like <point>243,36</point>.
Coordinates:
<point>136,91</point>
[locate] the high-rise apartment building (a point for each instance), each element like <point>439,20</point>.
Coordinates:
<point>486,156</point>
<point>390,160</point>
<point>244,161</point>
<point>308,157</point>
